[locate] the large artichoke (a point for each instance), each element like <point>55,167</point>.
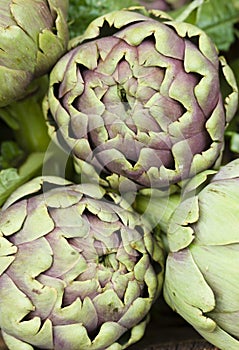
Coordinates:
<point>138,99</point>
<point>201,281</point>
<point>33,36</point>
<point>79,268</point>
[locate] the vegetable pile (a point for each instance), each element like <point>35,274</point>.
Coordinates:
<point>119,170</point>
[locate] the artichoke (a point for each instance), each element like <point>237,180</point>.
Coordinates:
<point>201,278</point>
<point>79,268</point>
<point>137,100</point>
<point>33,36</point>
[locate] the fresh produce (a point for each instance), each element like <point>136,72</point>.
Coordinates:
<point>33,36</point>
<point>137,99</point>
<point>119,170</point>
<point>79,268</point>
<point>200,233</point>
<point>201,281</point>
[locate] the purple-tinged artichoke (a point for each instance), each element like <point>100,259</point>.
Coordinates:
<point>201,278</point>
<point>138,99</point>
<point>79,269</point>
<point>33,36</point>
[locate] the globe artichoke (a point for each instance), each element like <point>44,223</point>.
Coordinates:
<point>79,268</point>
<point>137,100</point>
<point>201,279</point>
<point>33,36</point>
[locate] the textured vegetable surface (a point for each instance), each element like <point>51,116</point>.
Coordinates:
<point>201,281</point>
<point>29,48</point>
<point>79,268</point>
<point>139,98</point>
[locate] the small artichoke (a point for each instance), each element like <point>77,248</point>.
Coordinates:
<point>137,100</point>
<point>201,279</point>
<point>33,36</point>
<point>79,269</point>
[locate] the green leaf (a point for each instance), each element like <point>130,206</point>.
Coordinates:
<point>11,155</point>
<point>216,17</point>
<point>82,12</point>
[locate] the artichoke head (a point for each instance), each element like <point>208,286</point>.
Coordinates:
<point>33,36</point>
<point>201,278</point>
<point>137,100</point>
<point>79,269</point>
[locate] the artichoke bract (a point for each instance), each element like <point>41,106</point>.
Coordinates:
<point>79,268</point>
<point>33,36</point>
<point>137,100</point>
<point>201,278</point>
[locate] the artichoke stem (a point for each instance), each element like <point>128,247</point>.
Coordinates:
<point>30,129</point>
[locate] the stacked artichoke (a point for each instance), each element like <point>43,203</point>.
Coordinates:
<point>37,44</point>
<point>134,108</point>
<point>132,189</point>
<point>79,269</point>
<point>201,281</point>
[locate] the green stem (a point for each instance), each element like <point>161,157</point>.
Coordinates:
<point>26,119</point>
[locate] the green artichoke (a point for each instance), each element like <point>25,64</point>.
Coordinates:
<point>33,36</point>
<point>79,269</point>
<point>201,278</point>
<point>137,100</point>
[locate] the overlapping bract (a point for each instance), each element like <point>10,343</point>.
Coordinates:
<point>78,268</point>
<point>201,280</point>
<point>138,99</point>
<point>33,36</point>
